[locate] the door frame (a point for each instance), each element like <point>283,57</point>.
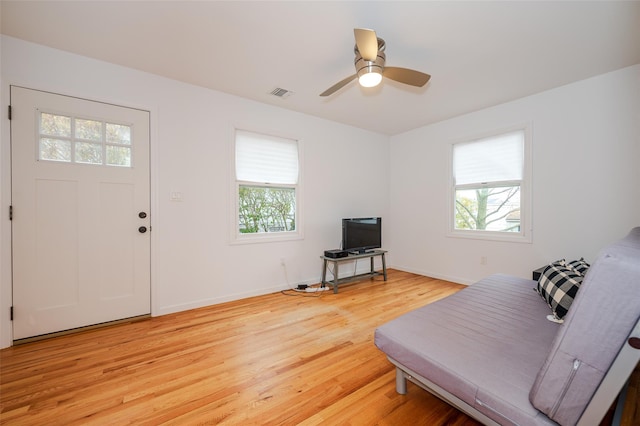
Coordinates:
<point>6,237</point>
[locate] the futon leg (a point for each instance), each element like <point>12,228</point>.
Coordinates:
<point>401,382</point>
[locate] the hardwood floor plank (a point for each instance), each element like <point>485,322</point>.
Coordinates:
<point>267,360</point>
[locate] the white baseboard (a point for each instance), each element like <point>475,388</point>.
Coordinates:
<point>170,309</point>
<point>453,279</point>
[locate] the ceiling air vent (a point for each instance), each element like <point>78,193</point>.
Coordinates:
<point>281,93</point>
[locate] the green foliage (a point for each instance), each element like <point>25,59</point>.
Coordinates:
<point>266,209</point>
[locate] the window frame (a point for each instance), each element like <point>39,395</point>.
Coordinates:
<point>236,237</point>
<point>525,233</point>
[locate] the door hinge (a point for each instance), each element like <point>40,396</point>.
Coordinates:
<point>9,112</point>
<point>11,313</point>
<point>10,212</point>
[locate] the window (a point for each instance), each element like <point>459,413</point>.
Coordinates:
<point>490,196</point>
<point>80,140</point>
<point>266,188</point>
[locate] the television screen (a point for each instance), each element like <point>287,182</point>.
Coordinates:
<point>361,234</point>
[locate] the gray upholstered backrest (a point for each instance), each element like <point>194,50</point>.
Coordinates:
<point>601,317</point>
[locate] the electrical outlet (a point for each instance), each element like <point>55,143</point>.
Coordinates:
<point>282,261</point>
<point>483,260</point>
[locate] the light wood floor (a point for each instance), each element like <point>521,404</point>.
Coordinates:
<point>273,359</point>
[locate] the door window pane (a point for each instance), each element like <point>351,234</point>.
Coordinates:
<point>118,156</point>
<point>55,150</point>
<point>55,125</point>
<point>118,133</point>
<point>88,129</point>
<point>88,153</point>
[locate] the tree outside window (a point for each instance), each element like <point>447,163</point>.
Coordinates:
<point>493,209</point>
<point>265,209</point>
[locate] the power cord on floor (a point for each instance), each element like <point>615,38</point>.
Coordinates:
<point>302,292</point>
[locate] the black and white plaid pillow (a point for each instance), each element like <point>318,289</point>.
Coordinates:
<point>558,286</point>
<point>579,265</point>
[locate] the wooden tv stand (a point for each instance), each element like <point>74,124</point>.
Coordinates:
<point>336,262</point>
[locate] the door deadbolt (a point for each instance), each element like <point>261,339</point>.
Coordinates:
<point>142,215</point>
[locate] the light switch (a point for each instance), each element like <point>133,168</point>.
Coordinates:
<point>175,196</point>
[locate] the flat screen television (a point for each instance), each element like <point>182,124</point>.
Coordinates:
<point>361,234</point>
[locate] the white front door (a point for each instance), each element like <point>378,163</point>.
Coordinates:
<point>80,202</point>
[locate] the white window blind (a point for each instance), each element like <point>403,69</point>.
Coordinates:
<point>266,159</point>
<point>495,159</point>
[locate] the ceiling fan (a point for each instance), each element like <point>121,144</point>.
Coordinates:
<point>369,62</point>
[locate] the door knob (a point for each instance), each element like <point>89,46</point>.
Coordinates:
<point>142,229</point>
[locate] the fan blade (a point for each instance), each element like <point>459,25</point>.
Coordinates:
<point>406,76</point>
<point>367,43</point>
<point>338,86</point>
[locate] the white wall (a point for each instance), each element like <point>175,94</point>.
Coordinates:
<point>586,180</point>
<point>193,263</point>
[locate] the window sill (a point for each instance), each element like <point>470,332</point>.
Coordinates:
<point>265,238</point>
<point>492,236</point>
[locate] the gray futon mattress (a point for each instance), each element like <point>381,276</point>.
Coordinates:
<point>484,344</point>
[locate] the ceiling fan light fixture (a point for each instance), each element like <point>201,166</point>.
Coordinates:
<point>370,78</point>
<point>370,72</point>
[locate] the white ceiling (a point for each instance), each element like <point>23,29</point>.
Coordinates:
<point>478,53</point>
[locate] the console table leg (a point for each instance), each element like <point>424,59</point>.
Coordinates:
<point>384,266</point>
<point>335,277</point>
<point>324,272</point>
